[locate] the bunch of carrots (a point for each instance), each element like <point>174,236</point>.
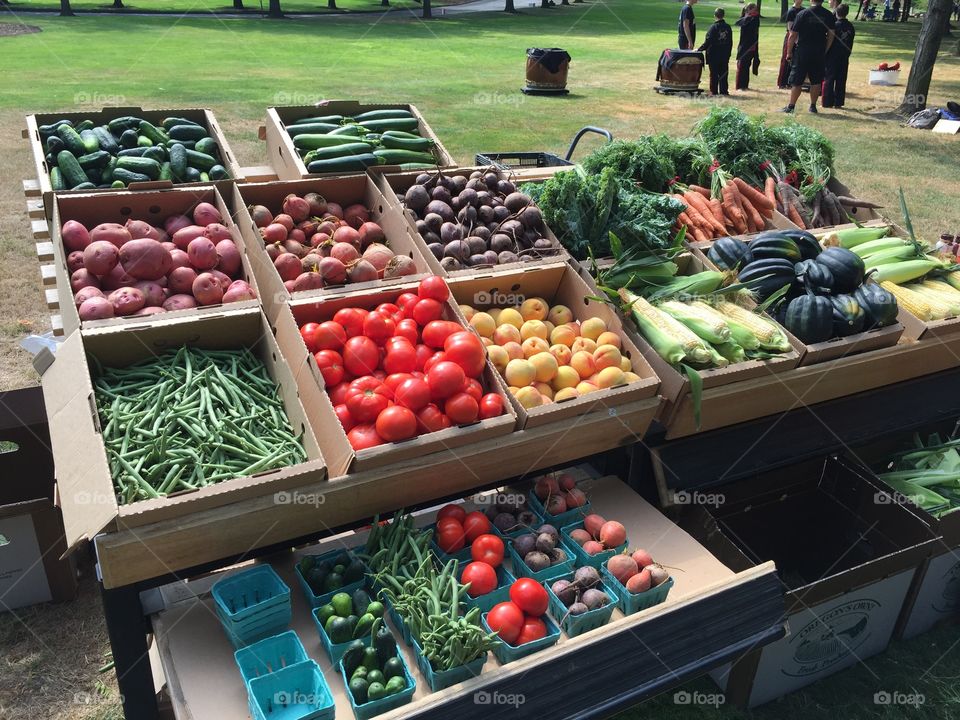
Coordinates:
<point>734,208</point>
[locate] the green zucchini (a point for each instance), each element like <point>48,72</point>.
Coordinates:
<point>178,162</point>
<point>348,164</point>
<point>128,176</point>
<point>219,172</point>
<point>388,114</point>
<point>392,124</point>
<point>395,157</point>
<point>144,141</point>
<point>94,161</point>
<point>56,179</point>
<point>89,140</point>
<point>54,144</point>
<point>122,124</point>
<point>192,175</point>
<point>165,172</point>
<point>157,152</point>
<point>327,119</point>
<point>156,135</point>
<point>83,125</point>
<point>402,134</point>
<point>106,139</point>
<point>206,145</point>
<point>85,186</point>
<point>174,121</point>
<point>313,142</point>
<point>402,143</point>
<point>200,160</point>
<point>128,139</point>
<point>73,174</point>
<point>337,151</point>
<point>352,130</point>
<point>72,140</point>
<point>142,165</point>
<point>187,132</point>
<point>312,128</point>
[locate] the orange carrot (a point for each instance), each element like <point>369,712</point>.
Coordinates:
<point>700,190</point>
<point>695,220</point>
<point>729,211</point>
<point>753,214</point>
<point>700,203</point>
<point>770,190</point>
<point>794,214</point>
<point>716,207</point>
<point>732,207</point>
<point>756,198</point>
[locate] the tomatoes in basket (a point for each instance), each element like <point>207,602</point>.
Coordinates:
<point>430,419</point>
<point>473,388</point>
<point>452,510</point>
<point>435,288</point>
<point>405,302</point>
<point>450,539</point>
<point>412,393</point>
<point>396,423</point>
<point>361,356</point>
<point>407,328</point>
<point>365,405</point>
<point>482,578</point>
<point>466,350</point>
<point>351,320</point>
<point>488,549</point>
<point>343,415</point>
<point>445,379</point>
<point>427,310</point>
<point>379,326</point>
<point>401,356</point>
<point>436,332</point>
<point>491,405</point>
<point>364,436</point>
<point>506,619</point>
<point>461,408</point>
<point>530,596</point>
<point>475,524</point>
<point>533,629</point>
<point>331,367</point>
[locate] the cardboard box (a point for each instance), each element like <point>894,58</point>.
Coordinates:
<point>101,117</point>
<point>935,594</point>
<point>153,206</point>
<point>858,214</point>
<point>845,559</point>
<point>286,160</point>
<point>339,455</point>
<point>31,531</point>
<point>394,185</point>
<point>559,284</point>
<point>346,191</point>
<point>84,485</point>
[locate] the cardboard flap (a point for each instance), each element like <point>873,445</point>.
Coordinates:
<point>80,463</point>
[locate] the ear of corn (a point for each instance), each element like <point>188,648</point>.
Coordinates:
<point>941,287</point>
<point>707,323</point>
<point>941,304</point>
<point>910,301</point>
<point>731,351</point>
<point>867,249</point>
<point>672,340</point>
<point>953,279</point>
<point>768,335</point>
<point>716,358</point>
<point>890,255</point>
<point>851,237</point>
<point>902,272</point>
<point>701,283</point>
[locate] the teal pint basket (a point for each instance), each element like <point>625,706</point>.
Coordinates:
<point>629,602</point>
<point>507,653</point>
<point>439,680</point>
<point>583,558</point>
<point>371,708</point>
<point>297,692</point>
<point>270,655</point>
<point>315,600</point>
<point>574,625</point>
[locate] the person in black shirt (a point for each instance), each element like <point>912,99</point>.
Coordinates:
<point>838,60</point>
<point>687,27</point>
<point>809,41</point>
<point>718,46</point>
<point>747,49</point>
<point>784,65</point>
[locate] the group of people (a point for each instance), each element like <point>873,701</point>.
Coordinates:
<point>816,50</point>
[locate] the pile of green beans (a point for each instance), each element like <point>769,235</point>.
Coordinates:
<point>191,418</point>
<point>397,548</point>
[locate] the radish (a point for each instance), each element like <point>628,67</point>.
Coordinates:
<point>344,252</point>
<point>641,582</point>
<point>567,482</point>
<point>555,505</point>
<point>592,547</point>
<point>261,216</point>
<point>285,220</point>
<point>273,233</point>
<point>356,215</point>
<point>335,209</point>
<point>575,498</point>
<point>346,234</point>
<point>370,232</point>
<point>622,567</point>
<point>296,207</point>
<point>545,486</point>
<point>613,534</point>
<point>642,557</point>
<point>317,203</point>
<point>332,271</point>
<point>378,255</point>
<point>658,574</point>
<point>592,524</point>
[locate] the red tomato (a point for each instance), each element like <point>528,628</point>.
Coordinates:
<point>427,310</point>
<point>430,419</point>
<point>396,423</point>
<point>473,388</point>
<point>338,393</point>
<point>363,436</point>
<point>308,332</point>
<point>366,405</point>
<point>405,302</point>
<point>360,356</point>
<point>533,629</point>
<point>530,596</point>
<point>366,382</point>
<point>351,319</point>
<point>475,524</point>
<point>444,378</point>
<point>461,408</point>
<point>343,415</point>
<point>379,326</point>
<point>436,332</point>
<point>452,510</point>
<point>423,354</point>
<point>434,287</point>
<point>379,375</point>
<point>392,310</point>
<point>482,578</point>
<point>331,367</point>
<point>450,521</point>
<point>412,393</point>
<point>434,358</point>
<point>401,357</point>
<point>392,382</point>
<point>330,336</point>
<point>491,405</point>
<point>466,350</point>
<point>488,549</point>
<point>407,328</point>
<point>450,539</point>
<point>506,619</point>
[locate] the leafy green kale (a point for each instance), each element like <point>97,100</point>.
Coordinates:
<point>647,160</point>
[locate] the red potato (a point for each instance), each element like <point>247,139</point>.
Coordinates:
<point>202,253</point>
<point>239,290</point>
<point>168,245</point>
<point>117,278</point>
<point>85,293</point>
<point>207,289</point>
<point>148,310</point>
<point>145,259</point>
<point>113,233</point>
<point>288,265</point>
<point>95,308</point>
<point>153,293</point>
<point>217,232</point>
<point>205,214</point>
<point>75,235</point>
<point>178,258</point>
<point>126,300</point>
<point>180,301</point>
<point>222,278</point>
<point>176,222</point>
<point>140,229</point>
<point>75,261</point>
<point>180,280</point>
<point>100,257</point>
<point>184,236</point>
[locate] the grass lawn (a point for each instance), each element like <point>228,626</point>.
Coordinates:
<point>464,73</point>
<point>200,6</point>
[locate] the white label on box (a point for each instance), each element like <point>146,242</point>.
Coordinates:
<point>939,595</point>
<point>829,637</point>
<point>23,580</point>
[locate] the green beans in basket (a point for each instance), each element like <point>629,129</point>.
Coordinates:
<point>191,418</point>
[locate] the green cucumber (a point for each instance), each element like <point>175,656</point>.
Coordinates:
<point>86,186</point>
<point>144,141</point>
<point>165,172</point>
<point>72,140</point>
<point>348,164</point>
<point>94,161</point>
<point>313,142</point>
<point>51,129</point>
<point>54,144</point>
<point>337,151</point>
<point>204,177</point>
<point>200,160</point>
<point>311,128</point>
<point>127,176</point>
<point>402,143</point>
<point>84,125</point>
<point>142,165</point>
<point>188,144</point>
<point>396,157</point>
<point>56,179</point>
<point>192,175</point>
<point>73,174</point>
<point>326,119</point>
<point>107,174</point>
<point>174,121</point>
<point>89,140</point>
<point>206,145</point>
<point>122,124</point>
<point>178,162</point>
<point>128,139</point>
<point>408,124</point>
<point>132,152</point>
<point>106,139</point>
<point>219,172</point>
<point>157,152</point>
<point>118,184</point>
<point>352,130</point>
<point>156,135</point>
<point>389,114</point>
<point>93,175</point>
<point>187,132</point>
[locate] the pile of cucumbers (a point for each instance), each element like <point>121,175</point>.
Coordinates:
<point>375,672</point>
<point>328,575</point>
<point>349,617</point>
<point>129,149</point>
<point>336,143</point>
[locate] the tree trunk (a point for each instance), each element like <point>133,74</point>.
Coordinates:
<point>784,8</point>
<point>238,4</point>
<point>385,3</point>
<point>905,15</point>
<point>759,6</point>
<point>427,10</point>
<point>275,11</point>
<point>925,57</point>
<point>331,4</point>
<point>508,7</point>
<point>118,4</point>
<point>65,10</point>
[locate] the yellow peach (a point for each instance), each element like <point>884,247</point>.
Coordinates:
<point>566,377</point>
<point>483,324</point>
<point>610,377</point>
<point>499,357</point>
<point>575,326</point>
<point>562,353</point>
<point>550,327</point>
<point>546,365</point>
<point>592,328</point>
<point>606,356</point>
<point>494,313</point>
<point>609,338</point>
<point>560,314</point>
<point>513,390</point>
<point>534,309</point>
<point>532,346</point>
<point>534,328</point>
<point>630,377</point>
<point>505,333</point>
<point>583,363</point>
<point>585,387</point>
<point>520,373</point>
<point>563,335</point>
<point>514,351</point>
<point>487,342</point>
<point>566,394</point>
<point>468,312</point>
<point>510,316</point>
<point>544,390</point>
<point>529,397</point>
<point>625,364</point>
<point>585,344</point>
